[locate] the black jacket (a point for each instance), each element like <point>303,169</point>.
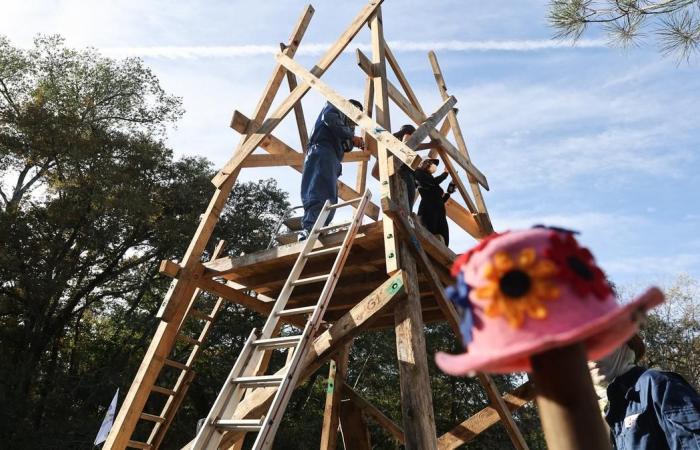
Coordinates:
<point>432,204</point>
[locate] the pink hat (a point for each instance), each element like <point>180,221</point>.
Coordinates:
<point>525,292</point>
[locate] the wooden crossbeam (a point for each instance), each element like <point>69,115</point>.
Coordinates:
<point>370,410</point>
<point>468,430</point>
<point>298,111</point>
<point>401,77</point>
<point>461,143</point>
<point>430,123</point>
<point>269,124</point>
<point>350,325</point>
<point>335,389</point>
<point>419,117</point>
<point>277,147</point>
<point>354,427</point>
<point>379,133</point>
<point>296,159</point>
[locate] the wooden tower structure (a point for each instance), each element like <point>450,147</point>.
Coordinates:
<point>394,275</point>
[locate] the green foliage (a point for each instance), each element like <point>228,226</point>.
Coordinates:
<point>674,23</point>
<point>91,200</point>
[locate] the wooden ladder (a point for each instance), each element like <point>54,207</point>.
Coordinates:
<point>243,375</point>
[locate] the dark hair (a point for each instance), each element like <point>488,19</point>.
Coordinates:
<point>404,130</point>
<point>357,104</point>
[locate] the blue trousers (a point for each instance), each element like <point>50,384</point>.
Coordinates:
<point>319,182</point>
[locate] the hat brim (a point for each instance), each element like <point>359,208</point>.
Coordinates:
<point>600,336</point>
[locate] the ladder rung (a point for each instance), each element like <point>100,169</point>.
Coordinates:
<point>310,280</point>
<point>278,342</point>
<point>137,444</point>
<point>152,418</point>
<point>162,390</point>
<point>189,339</point>
<point>297,311</point>
<point>176,364</point>
<point>259,381</point>
<point>334,226</point>
<point>346,203</point>
<point>239,425</point>
<point>326,251</point>
<point>201,315</point>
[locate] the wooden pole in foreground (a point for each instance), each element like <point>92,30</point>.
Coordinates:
<point>568,410</point>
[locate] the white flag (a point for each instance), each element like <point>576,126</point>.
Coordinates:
<point>108,421</point>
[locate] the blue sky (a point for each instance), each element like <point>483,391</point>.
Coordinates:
<point>592,138</point>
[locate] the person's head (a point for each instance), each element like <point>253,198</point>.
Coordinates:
<point>405,132</point>
<point>429,165</point>
<point>357,105</point>
<point>606,369</point>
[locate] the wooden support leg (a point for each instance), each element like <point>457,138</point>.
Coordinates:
<point>354,427</point>
<point>334,392</point>
<point>569,413</point>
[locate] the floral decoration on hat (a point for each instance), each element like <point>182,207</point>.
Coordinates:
<point>464,257</point>
<point>459,295</point>
<point>577,266</point>
<point>517,287</point>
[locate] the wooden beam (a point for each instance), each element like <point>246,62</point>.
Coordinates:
<point>276,146</point>
<point>418,117</point>
<point>354,427</point>
<point>335,388</point>
<point>371,411</point>
<point>298,111</point>
<point>374,129</point>
<point>465,219</point>
<point>430,123</point>
<point>359,318</point>
<point>287,104</point>
<point>468,430</point>
<point>296,159</point>
<point>461,143</point>
<point>402,78</point>
<point>516,437</point>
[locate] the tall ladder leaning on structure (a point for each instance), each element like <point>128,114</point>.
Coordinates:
<point>243,376</point>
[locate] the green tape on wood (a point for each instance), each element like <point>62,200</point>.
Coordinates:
<point>395,286</point>
<point>331,387</point>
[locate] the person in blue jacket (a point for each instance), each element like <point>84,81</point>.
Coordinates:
<point>647,409</point>
<point>332,136</point>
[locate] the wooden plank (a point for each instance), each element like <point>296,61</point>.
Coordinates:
<point>379,133</point>
<point>298,112</point>
<point>382,116</point>
<point>359,318</point>
<point>418,117</point>
<point>454,175</point>
<point>468,430</point>
<point>335,388</point>
<point>368,104</point>
<point>516,437</point>
<point>461,143</point>
<point>372,411</point>
<point>283,109</point>
<point>296,159</point>
<point>430,123</point>
<point>391,59</point>
<point>354,427</point>
<point>276,146</point>
<point>462,217</point>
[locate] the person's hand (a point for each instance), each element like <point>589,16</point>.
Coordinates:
<point>358,142</point>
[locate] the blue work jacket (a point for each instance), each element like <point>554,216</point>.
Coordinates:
<point>653,410</point>
<point>332,131</point>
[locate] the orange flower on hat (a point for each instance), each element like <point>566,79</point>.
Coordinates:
<point>517,287</point>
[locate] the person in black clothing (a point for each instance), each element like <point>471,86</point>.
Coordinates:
<point>431,210</point>
<point>405,172</point>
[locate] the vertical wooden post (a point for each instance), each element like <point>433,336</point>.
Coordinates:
<point>334,392</point>
<point>570,416</point>
<point>416,396</point>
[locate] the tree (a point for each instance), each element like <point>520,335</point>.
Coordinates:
<point>91,200</point>
<point>674,23</point>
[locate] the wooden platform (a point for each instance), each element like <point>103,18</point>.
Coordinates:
<point>265,272</point>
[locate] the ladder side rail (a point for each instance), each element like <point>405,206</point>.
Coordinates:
<point>298,267</point>
<point>273,318</point>
<point>276,410</point>
<point>207,431</point>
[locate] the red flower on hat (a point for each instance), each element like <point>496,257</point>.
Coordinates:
<point>577,266</point>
